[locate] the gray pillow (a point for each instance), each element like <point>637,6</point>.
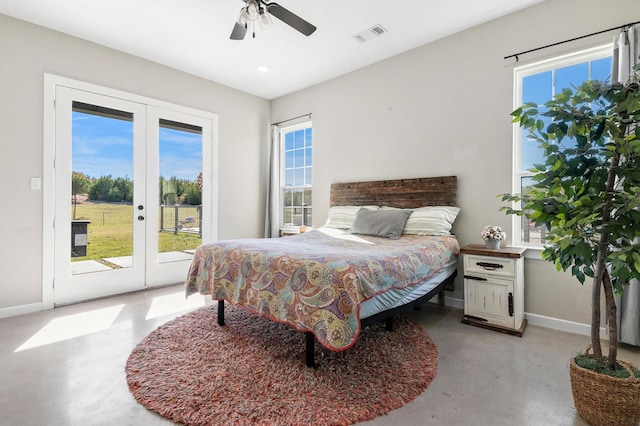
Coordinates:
<point>381,223</point>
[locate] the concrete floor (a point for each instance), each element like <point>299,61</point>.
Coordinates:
<point>66,367</point>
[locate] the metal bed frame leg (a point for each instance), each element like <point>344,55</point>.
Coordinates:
<point>310,344</point>
<point>388,324</point>
<point>309,355</point>
<point>220,312</point>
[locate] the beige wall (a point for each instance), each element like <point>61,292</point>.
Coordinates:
<point>443,109</point>
<point>26,53</point>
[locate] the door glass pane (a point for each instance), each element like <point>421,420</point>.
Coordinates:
<point>180,180</point>
<point>101,188</point>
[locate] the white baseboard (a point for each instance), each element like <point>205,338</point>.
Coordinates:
<point>540,320</point>
<point>20,310</point>
<point>563,325</point>
<point>454,302</point>
<point>449,301</point>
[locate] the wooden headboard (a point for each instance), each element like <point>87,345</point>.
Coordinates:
<point>404,193</point>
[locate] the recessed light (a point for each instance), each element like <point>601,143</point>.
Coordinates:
<point>262,68</point>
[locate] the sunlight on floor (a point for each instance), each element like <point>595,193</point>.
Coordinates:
<point>71,326</point>
<point>173,304</point>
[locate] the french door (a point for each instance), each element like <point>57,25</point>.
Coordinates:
<point>133,193</point>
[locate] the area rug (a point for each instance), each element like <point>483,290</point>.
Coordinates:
<point>252,371</point>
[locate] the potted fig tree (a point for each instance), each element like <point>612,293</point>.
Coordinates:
<point>587,194</point>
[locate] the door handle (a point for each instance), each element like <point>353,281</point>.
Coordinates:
<point>140,217</point>
<point>510,304</point>
<point>140,207</point>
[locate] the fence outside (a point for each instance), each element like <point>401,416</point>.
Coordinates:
<point>181,218</point>
<point>531,233</point>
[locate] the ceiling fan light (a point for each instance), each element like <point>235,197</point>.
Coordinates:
<point>264,20</point>
<point>251,10</point>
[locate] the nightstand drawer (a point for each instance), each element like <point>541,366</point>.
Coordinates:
<point>485,265</point>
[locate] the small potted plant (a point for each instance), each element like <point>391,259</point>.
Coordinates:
<point>492,236</point>
<point>587,194</point>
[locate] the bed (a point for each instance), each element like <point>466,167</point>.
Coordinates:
<point>380,253</point>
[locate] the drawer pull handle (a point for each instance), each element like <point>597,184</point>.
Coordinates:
<point>471,277</point>
<point>490,266</point>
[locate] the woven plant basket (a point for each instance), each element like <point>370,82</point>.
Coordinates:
<point>604,400</point>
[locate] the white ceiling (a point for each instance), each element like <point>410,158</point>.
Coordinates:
<point>193,35</point>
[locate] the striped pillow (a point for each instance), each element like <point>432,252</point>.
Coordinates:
<point>431,220</point>
<point>342,217</point>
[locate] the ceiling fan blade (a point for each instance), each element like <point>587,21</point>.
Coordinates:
<point>290,18</point>
<point>238,32</point>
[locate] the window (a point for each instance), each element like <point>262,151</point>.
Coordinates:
<point>538,83</point>
<point>296,175</point>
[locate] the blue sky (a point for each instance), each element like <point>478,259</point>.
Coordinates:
<point>298,157</point>
<point>104,146</point>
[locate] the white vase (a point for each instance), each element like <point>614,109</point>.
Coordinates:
<point>492,243</point>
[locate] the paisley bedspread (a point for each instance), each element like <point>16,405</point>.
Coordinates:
<point>315,281</point>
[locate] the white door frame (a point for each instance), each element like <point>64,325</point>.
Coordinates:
<point>210,168</point>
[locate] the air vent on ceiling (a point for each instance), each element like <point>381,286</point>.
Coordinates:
<point>369,33</point>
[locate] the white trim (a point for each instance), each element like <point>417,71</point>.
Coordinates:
<point>572,58</point>
<point>533,252</point>
<point>14,311</point>
<point>453,302</point>
<point>48,193</point>
<point>130,97</point>
<point>294,127</point>
<point>562,325</point>
<point>539,320</point>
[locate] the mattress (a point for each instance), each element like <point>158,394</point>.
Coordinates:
<point>401,296</point>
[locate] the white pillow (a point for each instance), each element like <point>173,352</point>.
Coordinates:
<point>342,217</point>
<point>431,220</point>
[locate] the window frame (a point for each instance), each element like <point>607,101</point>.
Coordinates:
<point>521,72</point>
<point>290,227</point>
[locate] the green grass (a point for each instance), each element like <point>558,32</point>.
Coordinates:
<point>110,231</point>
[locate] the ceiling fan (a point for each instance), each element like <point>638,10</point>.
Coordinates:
<point>260,10</point>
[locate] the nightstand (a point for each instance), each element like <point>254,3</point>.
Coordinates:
<point>293,230</point>
<point>494,288</point>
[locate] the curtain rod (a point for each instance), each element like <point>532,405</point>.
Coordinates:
<point>515,55</point>
<point>291,119</point>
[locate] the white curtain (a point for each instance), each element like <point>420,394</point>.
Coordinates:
<point>272,210</point>
<point>626,55</point>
